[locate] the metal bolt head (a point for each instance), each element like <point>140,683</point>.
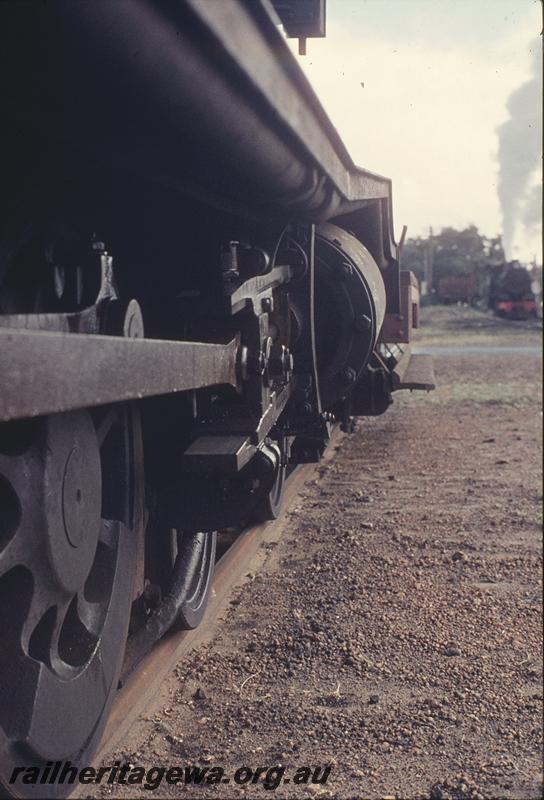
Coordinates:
<point>348,375</point>
<point>362,323</point>
<point>267,304</point>
<point>281,363</point>
<point>346,270</point>
<point>133,323</point>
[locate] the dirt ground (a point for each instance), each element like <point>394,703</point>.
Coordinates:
<point>395,630</point>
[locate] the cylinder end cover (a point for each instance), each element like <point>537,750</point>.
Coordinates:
<point>349,310</point>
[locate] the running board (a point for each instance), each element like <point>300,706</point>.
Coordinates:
<point>414,372</point>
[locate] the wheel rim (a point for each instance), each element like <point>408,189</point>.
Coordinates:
<point>67,560</point>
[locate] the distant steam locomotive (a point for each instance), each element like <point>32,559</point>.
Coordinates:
<point>504,288</point>
<point>510,292</point>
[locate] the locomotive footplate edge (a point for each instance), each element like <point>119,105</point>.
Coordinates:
<point>414,371</point>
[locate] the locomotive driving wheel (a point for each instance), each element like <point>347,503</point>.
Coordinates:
<point>71,494</point>
<point>71,514</point>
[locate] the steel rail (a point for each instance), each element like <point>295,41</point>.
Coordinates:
<point>139,688</point>
<point>44,372</point>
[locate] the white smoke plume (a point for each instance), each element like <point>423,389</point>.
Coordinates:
<point>520,149</point>
<point>531,215</point>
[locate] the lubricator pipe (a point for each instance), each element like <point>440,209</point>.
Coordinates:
<point>189,559</point>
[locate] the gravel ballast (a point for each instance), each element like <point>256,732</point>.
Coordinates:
<point>395,630</point>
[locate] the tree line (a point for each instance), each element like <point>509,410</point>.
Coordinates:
<point>452,254</point>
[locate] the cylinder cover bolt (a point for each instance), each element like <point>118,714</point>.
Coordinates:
<point>362,323</point>
<point>346,270</point>
<point>348,375</point>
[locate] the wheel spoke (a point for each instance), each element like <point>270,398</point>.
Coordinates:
<point>38,607</point>
<point>111,531</point>
<point>13,491</point>
<point>90,614</point>
<point>62,611</point>
<point>13,554</point>
<point>14,470</point>
<point>41,629</point>
<point>72,643</point>
<point>19,521</point>
<point>21,549</point>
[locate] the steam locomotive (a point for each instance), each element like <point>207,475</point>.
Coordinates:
<point>196,284</point>
<point>510,292</point>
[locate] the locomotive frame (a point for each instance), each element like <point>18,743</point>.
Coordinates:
<point>196,283</point>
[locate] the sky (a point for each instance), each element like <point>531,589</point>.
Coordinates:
<point>445,98</point>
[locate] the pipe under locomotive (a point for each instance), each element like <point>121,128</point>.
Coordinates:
<point>196,282</point>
